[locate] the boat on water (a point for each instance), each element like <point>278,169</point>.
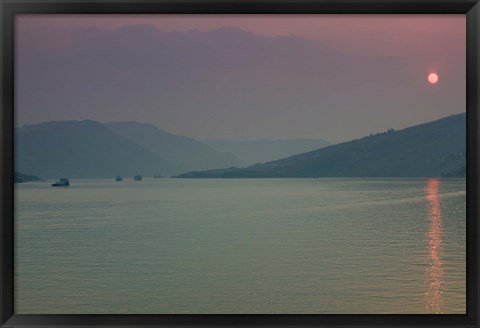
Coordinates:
<point>119,178</point>
<point>63,182</point>
<point>138,178</point>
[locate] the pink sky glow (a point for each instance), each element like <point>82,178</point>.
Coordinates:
<point>421,35</point>
<point>387,59</point>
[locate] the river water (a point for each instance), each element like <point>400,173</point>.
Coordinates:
<point>241,246</point>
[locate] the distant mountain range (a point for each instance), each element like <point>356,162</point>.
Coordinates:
<point>437,149</point>
<point>259,151</point>
<point>89,149</point>
<point>185,153</point>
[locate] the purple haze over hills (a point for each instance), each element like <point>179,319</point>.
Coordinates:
<point>228,83</point>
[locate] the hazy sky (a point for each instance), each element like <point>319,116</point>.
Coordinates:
<point>335,77</point>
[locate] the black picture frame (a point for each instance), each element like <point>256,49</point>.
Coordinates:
<point>10,8</point>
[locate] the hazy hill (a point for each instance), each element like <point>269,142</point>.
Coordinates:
<point>185,153</point>
<point>20,177</point>
<point>264,150</point>
<point>431,149</point>
<point>82,149</point>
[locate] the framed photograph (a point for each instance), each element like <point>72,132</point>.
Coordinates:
<point>229,163</point>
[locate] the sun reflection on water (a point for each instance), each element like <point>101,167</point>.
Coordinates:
<point>434,270</point>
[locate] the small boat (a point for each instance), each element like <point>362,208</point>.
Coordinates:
<point>63,182</point>
<point>119,178</point>
<point>158,176</point>
<point>138,178</point>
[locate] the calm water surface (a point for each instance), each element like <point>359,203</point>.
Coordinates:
<point>241,246</point>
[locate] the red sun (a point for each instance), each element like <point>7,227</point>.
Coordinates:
<point>432,78</point>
